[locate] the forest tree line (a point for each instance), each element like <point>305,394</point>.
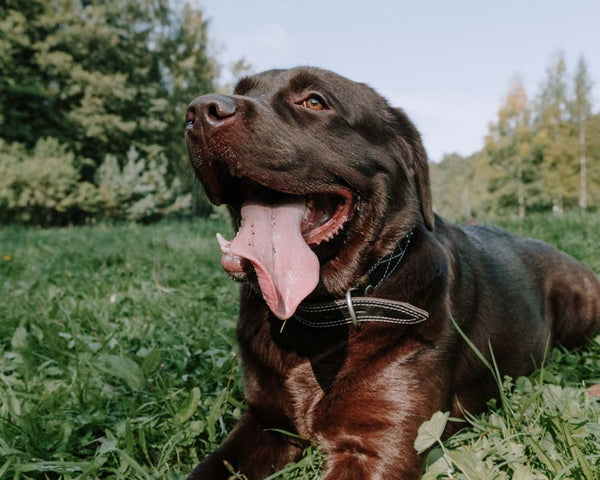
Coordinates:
<point>541,153</point>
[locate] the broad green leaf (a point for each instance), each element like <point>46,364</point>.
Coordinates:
<point>19,338</point>
<point>107,445</point>
<point>195,428</point>
<point>189,407</point>
<point>441,465</point>
<point>216,412</point>
<point>151,362</point>
<point>124,369</point>
<point>431,431</point>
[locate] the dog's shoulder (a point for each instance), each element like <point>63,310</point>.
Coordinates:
<point>510,251</point>
<point>491,236</point>
<point>485,232</point>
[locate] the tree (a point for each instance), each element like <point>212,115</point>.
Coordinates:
<point>459,186</point>
<point>449,179</point>
<point>508,147</point>
<point>538,155</point>
<point>190,73</point>
<point>592,153</point>
<point>554,142</point>
<point>581,108</point>
<point>29,110</point>
<point>102,76</point>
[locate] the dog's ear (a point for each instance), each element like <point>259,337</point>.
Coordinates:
<point>421,169</point>
<point>418,163</point>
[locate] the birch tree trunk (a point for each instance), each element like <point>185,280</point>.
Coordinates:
<point>520,188</point>
<point>582,168</point>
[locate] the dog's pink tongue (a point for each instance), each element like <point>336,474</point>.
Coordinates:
<point>270,237</point>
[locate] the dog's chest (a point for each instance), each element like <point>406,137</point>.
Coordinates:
<point>305,396</point>
<point>327,407</point>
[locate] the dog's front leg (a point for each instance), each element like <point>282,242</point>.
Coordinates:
<point>393,460</point>
<point>251,449</point>
<point>357,466</point>
<point>373,433</point>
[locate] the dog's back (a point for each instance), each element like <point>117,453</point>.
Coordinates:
<point>564,293</point>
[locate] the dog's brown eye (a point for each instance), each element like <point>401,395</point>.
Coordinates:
<point>313,103</point>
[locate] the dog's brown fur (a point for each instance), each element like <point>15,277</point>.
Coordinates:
<point>362,394</point>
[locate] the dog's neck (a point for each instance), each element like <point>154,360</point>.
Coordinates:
<point>383,268</point>
<point>359,306</point>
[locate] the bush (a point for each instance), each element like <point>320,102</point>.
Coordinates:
<point>44,187</point>
<point>139,191</point>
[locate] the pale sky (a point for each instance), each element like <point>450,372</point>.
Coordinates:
<point>446,63</point>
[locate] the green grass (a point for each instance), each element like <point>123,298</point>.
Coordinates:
<point>118,360</point>
<point>117,355</point>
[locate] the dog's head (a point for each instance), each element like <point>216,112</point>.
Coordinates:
<point>314,167</point>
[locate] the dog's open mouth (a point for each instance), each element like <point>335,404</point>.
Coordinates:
<point>275,236</point>
<point>326,214</point>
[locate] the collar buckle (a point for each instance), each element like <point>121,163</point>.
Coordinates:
<point>353,316</point>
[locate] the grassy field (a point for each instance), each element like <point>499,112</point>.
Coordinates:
<point>117,360</point>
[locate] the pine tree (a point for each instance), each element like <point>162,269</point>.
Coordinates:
<point>592,154</point>
<point>554,142</point>
<point>509,153</point>
<point>581,107</point>
<point>538,155</point>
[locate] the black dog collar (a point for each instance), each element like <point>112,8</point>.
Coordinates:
<point>384,267</point>
<point>355,310</point>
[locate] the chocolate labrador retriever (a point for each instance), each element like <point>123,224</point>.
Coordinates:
<point>351,284</point>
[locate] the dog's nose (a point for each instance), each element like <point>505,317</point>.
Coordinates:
<point>212,110</point>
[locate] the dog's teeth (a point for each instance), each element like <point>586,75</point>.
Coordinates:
<point>224,244</point>
<point>309,207</point>
<point>239,276</point>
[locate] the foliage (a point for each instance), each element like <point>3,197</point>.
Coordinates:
<point>545,431</point>
<point>509,150</point>
<point>554,138</point>
<point>101,77</point>
<point>542,431</point>
<point>118,358</point>
<point>581,108</point>
<point>452,181</point>
<point>138,191</point>
<point>42,186</point>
